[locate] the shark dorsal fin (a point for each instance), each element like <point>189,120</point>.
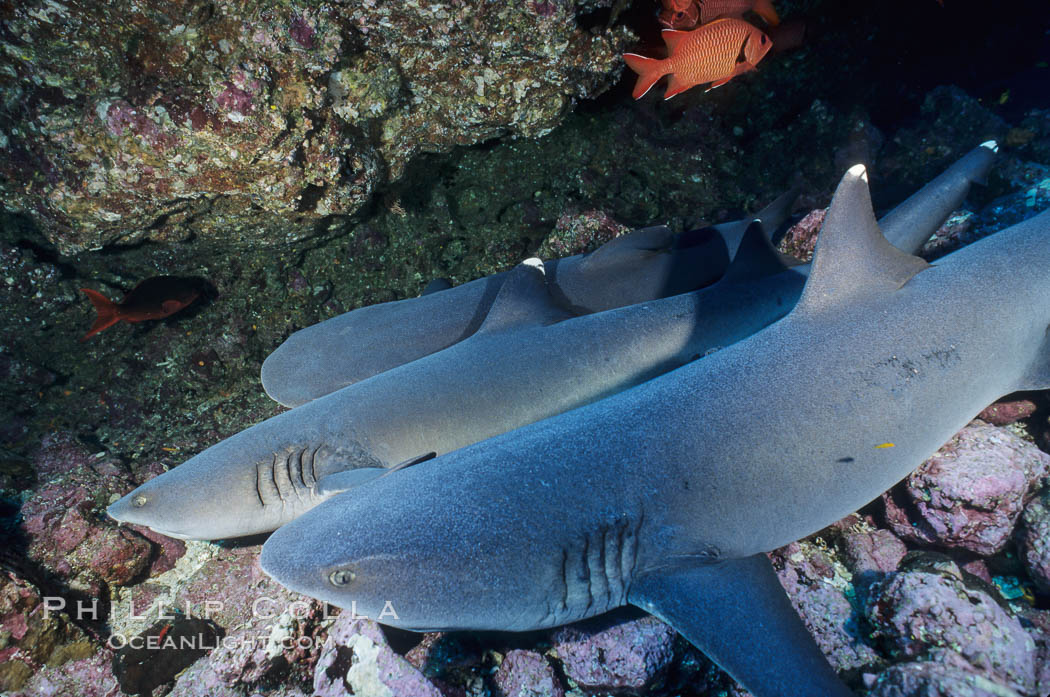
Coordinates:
<point>628,248</point>
<point>756,256</point>
<point>852,256</point>
<point>523,300</point>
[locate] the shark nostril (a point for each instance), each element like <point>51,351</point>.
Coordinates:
<point>139,501</point>
<point>342,577</point>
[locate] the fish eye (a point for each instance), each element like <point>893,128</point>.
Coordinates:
<point>341,577</point>
<point>139,501</point>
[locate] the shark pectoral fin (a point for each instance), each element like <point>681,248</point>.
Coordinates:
<point>738,614</point>
<point>633,245</point>
<point>436,286</point>
<point>757,257</point>
<point>523,300</point>
<point>338,482</point>
<point>411,461</point>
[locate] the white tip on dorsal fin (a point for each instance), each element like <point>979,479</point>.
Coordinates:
<point>852,257</point>
<point>756,256</point>
<point>523,300</point>
<point>629,247</point>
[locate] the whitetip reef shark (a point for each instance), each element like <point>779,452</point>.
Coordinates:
<point>667,496</point>
<point>531,359</point>
<point>647,264</point>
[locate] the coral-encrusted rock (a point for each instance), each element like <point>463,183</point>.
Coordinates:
<point>527,674</point>
<point>33,635</point>
<point>1035,541</point>
<point>578,233</point>
<point>869,551</point>
<point>356,659</point>
<point>928,679</point>
<point>923,615</point>
<point>615,654</point>
<point>85,677</point>
<point>970,494</point>
<point>1007,412</point>
<point>815,586</point>
<point>801,239</point>
<point>240,122</point>
<point>65,525</point>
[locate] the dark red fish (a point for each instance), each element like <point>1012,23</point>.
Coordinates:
<point>687,14</point>
<point>154,298</point>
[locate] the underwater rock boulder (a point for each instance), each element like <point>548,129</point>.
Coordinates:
<point>970,494</point>
<point>613,653</point>
<point>1035,541</point>
<point>527,674</point>
<point>928,679</point>
<point>937,617</point>
<point>356,659</point>
<point>868,551</point>
<point>1007,411</point>
<point>817,586</point>
<point>242,123</point>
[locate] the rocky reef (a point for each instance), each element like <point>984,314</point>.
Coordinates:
<point>262,123</point>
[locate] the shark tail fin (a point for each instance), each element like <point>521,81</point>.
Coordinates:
<point>106,309</point>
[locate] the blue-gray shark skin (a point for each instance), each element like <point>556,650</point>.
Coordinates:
<point>667,495</point>
<point>529,360</point>
<point>643,265</point>
<point>519,368</point>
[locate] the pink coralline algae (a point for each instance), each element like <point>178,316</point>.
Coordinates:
<point>577,233</point>
<point>970,494</point>
<point>1035,541</point>
<point>801,239</point>
<point>610,654</point>
<point>64,524</point>
<point>527,674</point>
<point>356,659</point>
<point>934,616</point>
<point>808,575</point>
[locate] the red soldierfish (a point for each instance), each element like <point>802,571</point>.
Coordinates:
<point>154,298</point>
<point>679,14</point>
<point>686,14</point>
<point>715,53</point>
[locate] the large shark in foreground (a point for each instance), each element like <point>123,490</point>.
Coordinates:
<point>666,496</point>
<point>644,265</point>
<point>527,362</point>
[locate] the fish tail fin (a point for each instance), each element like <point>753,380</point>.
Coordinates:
<point>649,71</point>
<point>764,9</point>
<point>106,309</point>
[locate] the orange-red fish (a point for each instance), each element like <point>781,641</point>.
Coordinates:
<point>154,298</point>
<point>678,14</point>
<point>715,53</point>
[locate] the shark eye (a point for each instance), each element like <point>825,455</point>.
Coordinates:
<point>342,577</point>
<point>139,501</point>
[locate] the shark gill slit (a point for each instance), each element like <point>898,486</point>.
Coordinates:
<point>602,566</point>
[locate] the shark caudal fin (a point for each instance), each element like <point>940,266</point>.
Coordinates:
<point>853,258</point>
<point>649,71</point>
<point>911,223</point>
<point>737,613</point>
<point>106,309</point>
<point>764,9</point>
